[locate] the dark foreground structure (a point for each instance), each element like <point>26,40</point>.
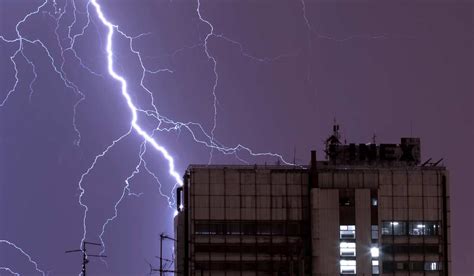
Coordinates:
<point>367,210</point>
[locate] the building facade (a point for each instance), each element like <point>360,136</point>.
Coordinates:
<point>366,210</point>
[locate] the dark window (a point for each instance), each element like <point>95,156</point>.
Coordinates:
<point>416,266</point>
<point>201,228</point>
<point>388,267</point>
<point>345,201</point>
<point>264,229</point>
<point>248,228</point>
<point>412,249</point>
<point>233,228</point>
<point>294,229</point>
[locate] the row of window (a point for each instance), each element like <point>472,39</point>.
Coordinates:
<point>348,201</point>
<point>349,267</point>
<point>347,232</point>
<point>248,228</point>
<point>412,228</point>
<point>389,266</point>
<point>410,249</point>
<point>348,249</point>
<point>252,249</point>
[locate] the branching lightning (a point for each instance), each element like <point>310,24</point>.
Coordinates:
<point>93,10</point>
<point>35,264</point>
<point>7,269</point>
<point>216,75</point>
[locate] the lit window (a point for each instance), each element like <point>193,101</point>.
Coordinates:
<point>375,232</point>
<point>375,267</point>
<point>425,228</point>
<point>396,228</point>
<point>374,202</point>
<point>348,266</point>
<point>432,266</point>
<point>374,251</point>
<point>347,249</point>
<point>347,231</point>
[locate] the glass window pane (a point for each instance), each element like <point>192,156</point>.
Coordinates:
<point>397,228</point>
<point>416,228</point>
<point>432,266</point>
<point>348,266</point>
<point>375,267</point>
<point>375,232</point>
<point>347,249</point>
<point>349,233</point>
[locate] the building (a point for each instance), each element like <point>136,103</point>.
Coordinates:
<point>366,210</point>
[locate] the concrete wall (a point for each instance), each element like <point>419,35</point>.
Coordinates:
<point>325,231</point>
<point>363,232</point>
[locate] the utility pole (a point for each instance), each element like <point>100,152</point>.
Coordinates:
<point>85,256</point>
<point>162,238</point>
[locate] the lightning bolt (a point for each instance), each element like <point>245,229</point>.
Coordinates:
<point>66,46</point>
<point>35,264</point>
<point>113,29</point>
<point>214,68</point>
<point>9,270</point>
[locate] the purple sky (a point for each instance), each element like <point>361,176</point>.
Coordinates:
<point>394,68</point>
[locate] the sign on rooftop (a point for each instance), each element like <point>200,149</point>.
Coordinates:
<point>407,153</point>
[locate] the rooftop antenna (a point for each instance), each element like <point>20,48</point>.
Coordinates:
<point>374,138</point>
<point>335,130</point>
<point>426,162</point>
<point>85,256</point>
<point>437,162</point>
<point>161,269</point>
<point>334,139</point>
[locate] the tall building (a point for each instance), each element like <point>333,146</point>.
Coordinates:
<point>366,210</point>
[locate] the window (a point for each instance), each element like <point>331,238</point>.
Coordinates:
<point>293,229</point>
<point>396,228</point>
<point>348,266</point>
<point>248,228</point>
<point>389,266</point>
<point>345,201</point>
<point>201,229</point>
<point>347,232</point>
<point>375,232</point>
<point>374,251</point>
<point>264,229</point>
<point>374,202</point>
<point>432,266</point>
<point>375,267</point>
<point>233,228</point>
<point>410,248</point>
<point>347,249</point>
<point>423,228</point>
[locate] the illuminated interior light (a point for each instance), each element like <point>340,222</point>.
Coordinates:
<point>375,252</point>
